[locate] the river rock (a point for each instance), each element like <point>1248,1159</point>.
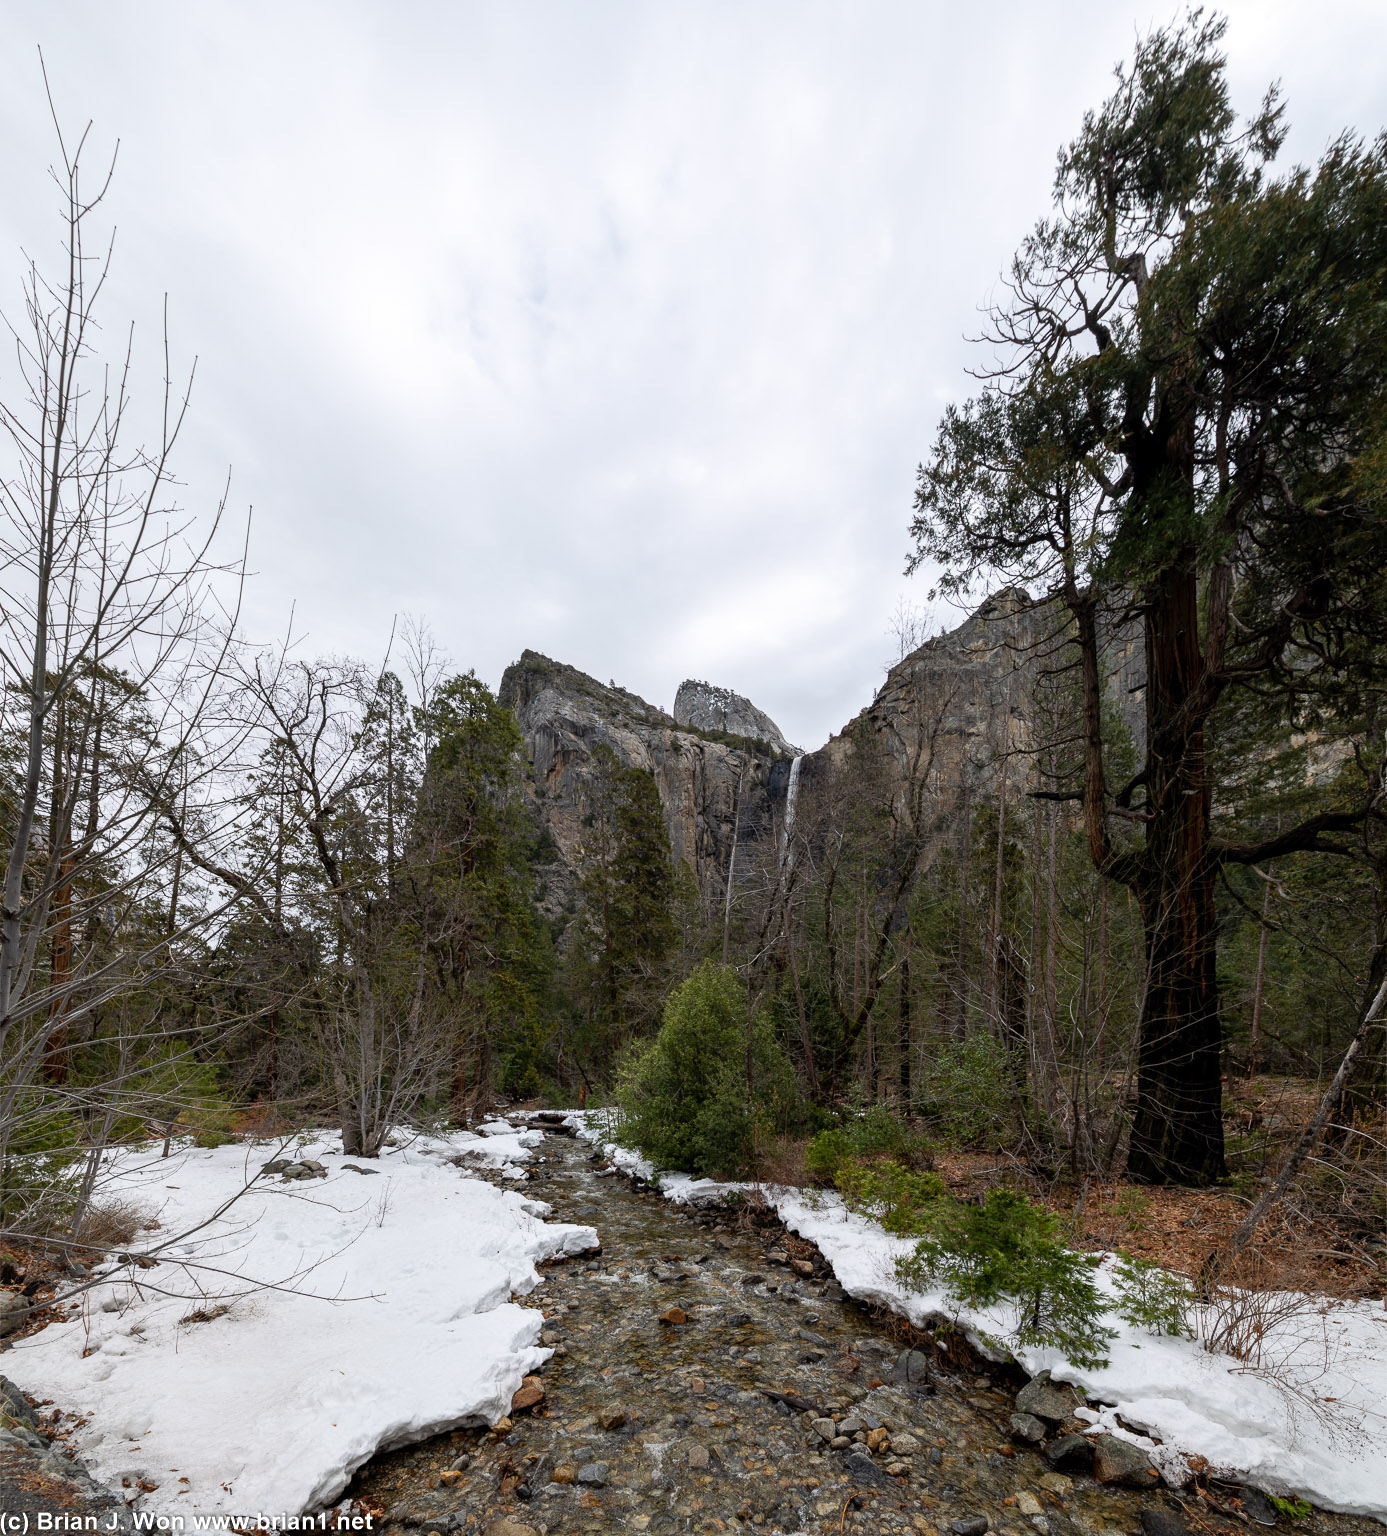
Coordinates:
<point>1070,1451</point>
<point>864,1471</point>
<point>1039,1399</point>
<point>593,1475</point>
<point>1257,1506</point>
<point>1156,1521</point>
<point>14,1312</point>
<point>1027,1428</point>
<point>974,1525</point>
<point>1117,1461</point>
<point>698,1457</point>
<point>912,1367</point>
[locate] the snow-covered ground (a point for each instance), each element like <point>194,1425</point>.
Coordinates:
<point>341,1315</point>
<point>1315,1428</point>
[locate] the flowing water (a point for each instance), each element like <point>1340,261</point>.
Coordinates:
<point>665,1427</point>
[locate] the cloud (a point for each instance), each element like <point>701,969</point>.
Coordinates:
<point>613,330</point>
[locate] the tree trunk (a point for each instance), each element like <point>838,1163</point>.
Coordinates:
<point>1177,1132</point>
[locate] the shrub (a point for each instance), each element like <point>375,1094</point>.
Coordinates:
<point>970,1092</point>
<point>903,1201</point>
<point>1009,1249</point>
<point>873,1132</point>
<point>1153,1298</point>
<point>827,1150</point>
<point>697,1097</point>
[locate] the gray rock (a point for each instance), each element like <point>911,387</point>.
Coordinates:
<point>13,1407</point>
<point>14,1312</point>
<point>739,1320</point>
<point>1027,1428</point>
<point>825,1428</point>
<point>1156,1521</point>
<point>912,1368</point>
<point>810,1337</point>
<point>974,1525</point>
<point>707,707</point>
<point>1117,1461</point>
<point>864,1471</point>
<point>593,1474</point>
<point>851,1425</point>
<point>1257,1506</point>
<point>1070,1451</point>
<point>1042,1401</point>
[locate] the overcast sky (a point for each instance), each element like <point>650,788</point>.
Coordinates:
<point>611,330</point>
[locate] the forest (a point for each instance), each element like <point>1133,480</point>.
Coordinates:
<point>1131,944</point>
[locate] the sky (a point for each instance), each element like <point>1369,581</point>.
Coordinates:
<point>611,330</point>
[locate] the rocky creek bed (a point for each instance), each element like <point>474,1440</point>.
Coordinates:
<point>709,1375</point>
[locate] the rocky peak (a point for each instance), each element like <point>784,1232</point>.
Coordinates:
<point>705,707</point>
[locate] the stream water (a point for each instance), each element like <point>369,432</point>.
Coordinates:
<point>665,1427</point>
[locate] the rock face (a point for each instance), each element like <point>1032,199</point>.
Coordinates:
<point>705,707</point>
<point>715,791</point>
<point>962,705</point>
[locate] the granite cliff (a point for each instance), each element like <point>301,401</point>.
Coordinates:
<point>724,769</point>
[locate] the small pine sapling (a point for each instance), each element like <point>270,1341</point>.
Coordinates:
<point>1009,1249</point>
<point>1158,1300</point>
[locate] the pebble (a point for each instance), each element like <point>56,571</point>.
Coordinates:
<point>975,1525</point>
<point>594,1474</point>
<point>698,1457</point>
<point>1028,1504</point>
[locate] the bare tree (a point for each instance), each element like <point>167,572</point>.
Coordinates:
<point>116,622</point>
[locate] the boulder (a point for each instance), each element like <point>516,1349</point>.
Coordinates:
<point>1042,1401</point>
<point>1119,1462</point>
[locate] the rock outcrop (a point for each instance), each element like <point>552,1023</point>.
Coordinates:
<point>706,707</point>
<point>716,787</point>
<point>965,702</point>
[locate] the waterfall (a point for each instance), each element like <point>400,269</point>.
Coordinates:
<point>791,794</point>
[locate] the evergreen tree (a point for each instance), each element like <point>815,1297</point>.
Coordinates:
<point>1186,429</point>
<point>627,929</point>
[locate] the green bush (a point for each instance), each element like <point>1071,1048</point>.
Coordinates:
<point>874,1132</point>
<point>1153,1298</point>
<point>903,1201</point>
<point>970,1093</point>
<point>698,1097</point>
<point>1009,1249</point>
<point>826,1151</point>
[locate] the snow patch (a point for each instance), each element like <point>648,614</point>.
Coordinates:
<point>361,1312</point>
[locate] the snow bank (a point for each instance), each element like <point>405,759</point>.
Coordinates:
<point>388,1317</point>
<point>1318,1433</point>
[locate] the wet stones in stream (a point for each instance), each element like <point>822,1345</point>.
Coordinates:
<point>686,1395</point>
